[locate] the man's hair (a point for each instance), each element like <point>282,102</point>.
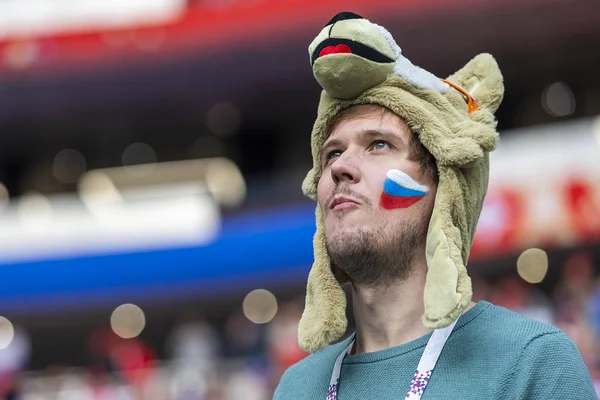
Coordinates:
<point>417,152</point>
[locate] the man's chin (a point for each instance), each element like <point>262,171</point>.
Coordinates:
<point>345,234</point>
<point>351,219</point>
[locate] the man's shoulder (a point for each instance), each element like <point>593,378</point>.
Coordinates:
<point>504,330</point>
<point>311,373</point>
<point>512,347</point>
<point>316,362</point>
<point>524,344</point>
<point>504,325</point>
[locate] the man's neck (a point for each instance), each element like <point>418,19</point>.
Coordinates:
<point>389,315</point>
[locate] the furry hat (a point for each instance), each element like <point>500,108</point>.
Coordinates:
<point>358,62</point>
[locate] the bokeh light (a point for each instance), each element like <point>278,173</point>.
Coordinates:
<point>149,39</point>
<point>7,332</point>
<point>558,100</point>
<point>21,54</point>
<point>260,306</point>
<point>128,321</point>
<point>532,265</point>
<point>224,119</point>
<point>225,182</point>
<point>142,156</point>
<point>68,165</point>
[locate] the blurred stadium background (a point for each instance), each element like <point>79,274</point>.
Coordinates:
<point>154,240</point>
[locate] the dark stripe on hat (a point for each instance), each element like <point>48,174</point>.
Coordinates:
<point>357,48</point>
<point>343,16</point>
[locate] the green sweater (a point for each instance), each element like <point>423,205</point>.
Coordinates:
<point>492,353</point>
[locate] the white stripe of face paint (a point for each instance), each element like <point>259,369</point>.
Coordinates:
<point>405,180</point>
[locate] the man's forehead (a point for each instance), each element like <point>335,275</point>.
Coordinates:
<point>370,123</point>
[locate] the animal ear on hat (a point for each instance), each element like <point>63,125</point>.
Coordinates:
<point>351,55</point>
<point>477,91</point>
<point>482,80</point>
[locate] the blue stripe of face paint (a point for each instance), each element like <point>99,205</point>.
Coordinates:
<point>393,189</point>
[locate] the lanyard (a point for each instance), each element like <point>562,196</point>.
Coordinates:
<point>430,356</point>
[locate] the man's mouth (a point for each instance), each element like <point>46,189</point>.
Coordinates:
<point>340,203</point>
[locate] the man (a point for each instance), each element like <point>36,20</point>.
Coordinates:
<point>400,171</point>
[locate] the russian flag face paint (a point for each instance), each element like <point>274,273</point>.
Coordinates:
<point>401,191</point>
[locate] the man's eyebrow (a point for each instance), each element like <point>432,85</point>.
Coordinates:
<point>389,135</point>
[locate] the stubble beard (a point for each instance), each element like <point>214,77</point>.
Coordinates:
<point>377,257</point>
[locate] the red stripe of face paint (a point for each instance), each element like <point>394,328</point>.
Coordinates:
<point>391,202</point>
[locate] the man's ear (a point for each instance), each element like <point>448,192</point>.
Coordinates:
<point>482,79</point>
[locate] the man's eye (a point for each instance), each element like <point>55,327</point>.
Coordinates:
<point>334,153</point>
<point>379,145</point>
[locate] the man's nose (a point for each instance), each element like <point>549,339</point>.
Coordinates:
<point>345,169</point>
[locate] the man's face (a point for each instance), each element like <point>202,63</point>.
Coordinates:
<point>372,235</point>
